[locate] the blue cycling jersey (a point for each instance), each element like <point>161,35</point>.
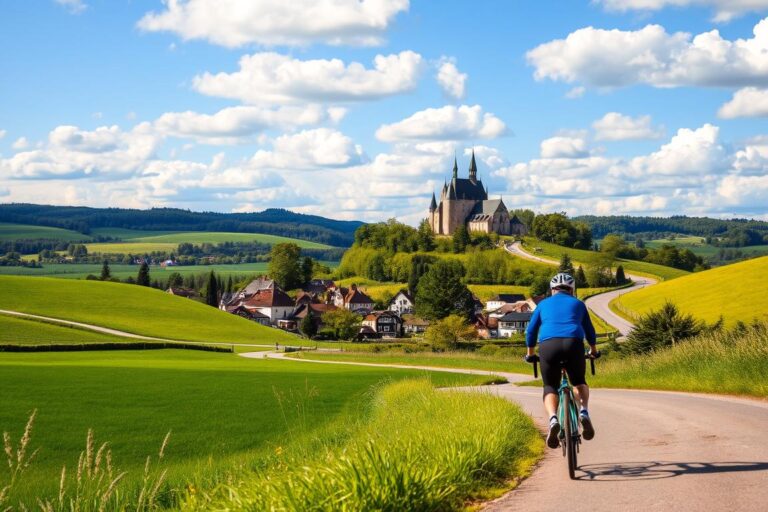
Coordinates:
<point>560,316</point>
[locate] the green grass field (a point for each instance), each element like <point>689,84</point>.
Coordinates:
<point>128,234</point>
<point>731,291</point>
<point>134,309</point>
<point>18,331</point>
<point>224,412</point>
<point>200,237</point>
<point>699,247</point>
<point>27,232</point>
<point>82,270</point>
<point>582,257</point>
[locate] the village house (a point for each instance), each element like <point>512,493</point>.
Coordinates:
<point>412,324</point>
<point>261,295</point>
<point>352,298</point>
<point>316,310</point>
<point>402,303</point>
<point>513,323</point>
<point>502,299</point>
<point>182,292</point>
<point>252,315</point>
<point>386,324</point>
<point>517,307</point>
<point>487,327</point>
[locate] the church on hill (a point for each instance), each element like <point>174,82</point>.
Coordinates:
<point>464,201</point>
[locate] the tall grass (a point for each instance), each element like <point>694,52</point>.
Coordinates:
<point>733,361</point>
<point>416,448</point>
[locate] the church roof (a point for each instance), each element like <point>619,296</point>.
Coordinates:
<point>462,188</point>
<point>487,207</point>
<point>433,204</point>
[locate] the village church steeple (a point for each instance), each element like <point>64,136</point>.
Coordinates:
<point>473,168</point>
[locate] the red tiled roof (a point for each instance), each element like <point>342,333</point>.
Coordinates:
<point>357,297</point>
<point>269,298</point>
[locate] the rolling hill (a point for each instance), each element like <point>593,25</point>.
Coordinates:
<point>734,291</point>
<point>132,308</point>
<point>10,231</point>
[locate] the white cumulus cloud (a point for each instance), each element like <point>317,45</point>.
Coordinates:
<point>20,143</point>
<point>746,102</point>
<point>234,23</point>
<point>564,147</point>
<point>309,149</point>
<point>274,78</point>
<point>73,6</point>
<point>235,124</point>
<point>617,58</point>
<point>725,10</point>
<point>451,80</point>
<point>616,126</point>
<point>445,123</point>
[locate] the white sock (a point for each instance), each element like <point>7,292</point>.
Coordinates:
<point>553,419</point>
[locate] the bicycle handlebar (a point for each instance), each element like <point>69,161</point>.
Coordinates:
<point>534,360</point>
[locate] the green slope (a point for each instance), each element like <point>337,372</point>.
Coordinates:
<point>735,291</point>
<point>18,331</point>
<point>28,232</point>
<point>132,308</point>
<point>583,257</point>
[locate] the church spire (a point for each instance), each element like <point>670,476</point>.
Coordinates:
<point>433,204</point>
<point>473,167</point>
<point>455,167</point>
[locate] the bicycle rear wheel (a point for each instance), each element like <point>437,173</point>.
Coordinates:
<point>571,434</point>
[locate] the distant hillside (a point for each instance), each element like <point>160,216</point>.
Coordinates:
<point>271,222</point>
<point>700,226</point>
<point>734,291</point>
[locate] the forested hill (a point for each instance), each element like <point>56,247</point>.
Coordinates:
<point>272,221</point>
<point>698,226</point>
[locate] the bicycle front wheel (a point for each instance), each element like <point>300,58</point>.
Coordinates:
<point>571,435</point>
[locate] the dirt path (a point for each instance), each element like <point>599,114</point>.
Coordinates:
<point>597,303</point>
<point>654,451</point>
<point>115,332</point>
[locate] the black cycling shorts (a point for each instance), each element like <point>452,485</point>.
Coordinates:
<point>558,353</point>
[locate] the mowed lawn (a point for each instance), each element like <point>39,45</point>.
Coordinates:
<point>732,291</point>
<point>10,231</point>
<point>582,257</point>
<point>222,410</point>
<point>132,308</point>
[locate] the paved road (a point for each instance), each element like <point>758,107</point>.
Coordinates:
<point>654,451</point>
<point>597,303</point>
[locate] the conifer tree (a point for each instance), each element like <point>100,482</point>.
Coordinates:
<point>228,289</point>
<point>442,292</point>
<point>142,279</point>
<point>620,277</point>
<point>566,265</point>
<point>106,273</point>
<point>461,239</point>
<point>580,277</point>
<point>212,290</point>
<point>308,327</point>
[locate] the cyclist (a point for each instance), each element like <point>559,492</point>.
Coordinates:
<point>560,323</point>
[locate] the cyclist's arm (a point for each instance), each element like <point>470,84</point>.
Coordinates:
<point>532,332</point>
<point>589,329</point>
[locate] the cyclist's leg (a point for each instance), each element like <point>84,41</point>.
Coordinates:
<point>550,355</point>
<point>576,366</point>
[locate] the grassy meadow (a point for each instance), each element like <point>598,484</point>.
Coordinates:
<point>134,309</point>
<point>242,409</point>
<point>10,231</point>
<point>19,331</point>
<point>730,291</point>
<point>582,257</point>
<point>412,448</point>
<point>700,247</point>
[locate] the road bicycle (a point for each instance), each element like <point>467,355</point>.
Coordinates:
<point>568,415</point>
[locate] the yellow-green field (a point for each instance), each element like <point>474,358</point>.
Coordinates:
<point>10,231</point>
<point>582,257</point>
<point>134,309</point>
<point>201,237</point>
<point>733,291</point>
<point>131,248</point>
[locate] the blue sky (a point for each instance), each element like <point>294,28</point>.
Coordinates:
<point>354,109</point>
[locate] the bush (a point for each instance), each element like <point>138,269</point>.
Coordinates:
<point>662,328</point>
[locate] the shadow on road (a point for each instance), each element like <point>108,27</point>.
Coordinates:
<point>658,469</point>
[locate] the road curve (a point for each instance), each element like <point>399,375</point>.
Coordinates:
<point>597,303</point>
<point>654,451</point>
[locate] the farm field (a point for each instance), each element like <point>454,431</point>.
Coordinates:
<point>82,270</point>
<point>134,309</point>
<point>699,247</point>
<point>729,291</point>
<point>10,231</point>
<point>18,331</point>
<point>583,257</point>
<point>137,248</point>
<point>242,408</point>
<point>200,237</point>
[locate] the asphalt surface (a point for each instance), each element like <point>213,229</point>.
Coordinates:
<point>653,451</point>
<point>597,303</point>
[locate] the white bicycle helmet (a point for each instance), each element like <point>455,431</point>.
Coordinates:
<point>562,279</point>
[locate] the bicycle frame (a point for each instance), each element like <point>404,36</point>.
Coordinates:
<point>572,414</point>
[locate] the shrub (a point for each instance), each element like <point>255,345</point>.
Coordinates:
<point>661,328</point>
